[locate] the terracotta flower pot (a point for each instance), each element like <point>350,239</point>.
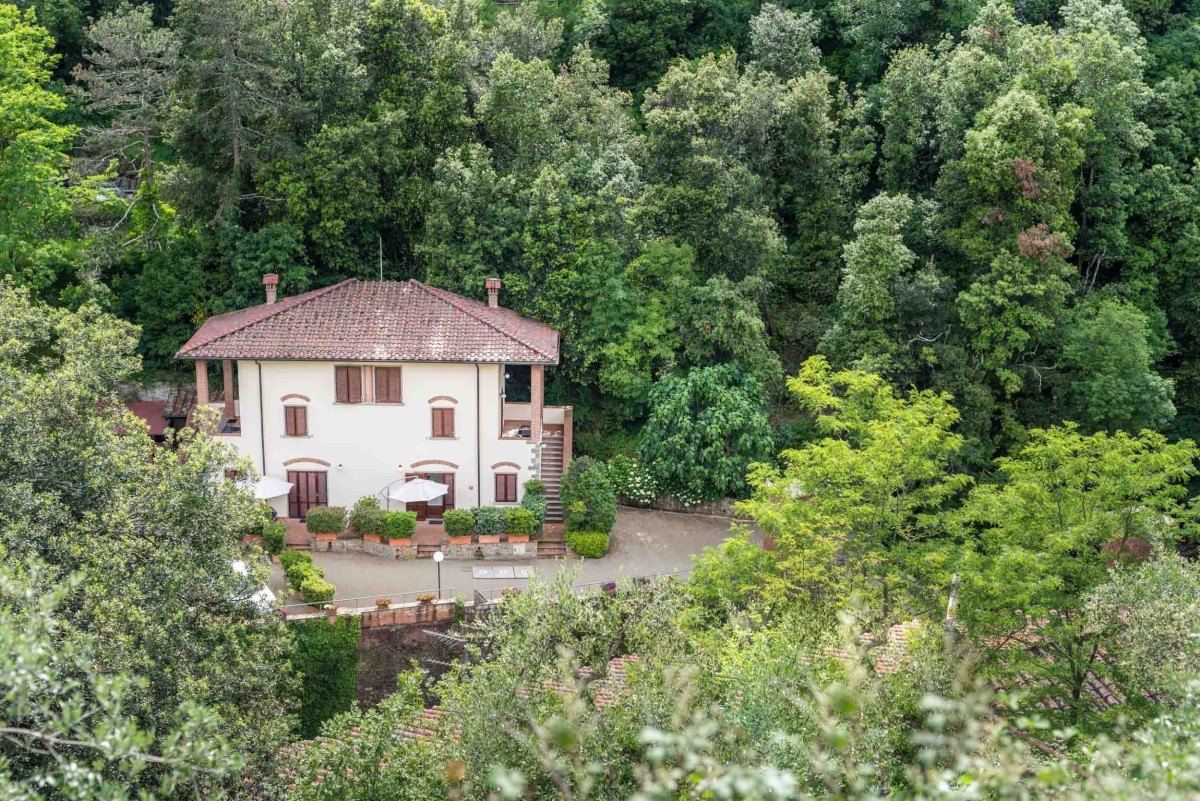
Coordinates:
<point>400,542</point>
<point>488,539</point>
<point>460,540</point>
<point>372,538</point>
<point>518,538</point>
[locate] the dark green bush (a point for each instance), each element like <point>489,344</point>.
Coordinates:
<point>521,522</point>
<point>326,520</point>
<point>588,544</point>
<point>491,520</point>
<point>300,572</point>
<point>458,522</point>
<point>325,656</point>
<point>399,525</point>
<point>535,486</point>
<point>366,517</point>
<point>316,590</point>
<point>274,536</point>
<point>588,496</point>
<point>536,503</point>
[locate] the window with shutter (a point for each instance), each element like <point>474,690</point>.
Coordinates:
<point>295,420</point>
<point>387,385</point>
<point>506,488</point>
<point>347,382</point>
<point>443,422</point>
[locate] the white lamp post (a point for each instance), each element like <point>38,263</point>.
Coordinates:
<point>438,556</point>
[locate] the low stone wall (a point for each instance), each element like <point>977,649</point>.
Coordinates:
<point>668,503</point>
<point>458,551</point>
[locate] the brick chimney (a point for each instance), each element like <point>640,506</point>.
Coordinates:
<point>493,289</point>
<point>271,282</point>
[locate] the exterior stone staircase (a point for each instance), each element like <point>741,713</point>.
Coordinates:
<point>552,470</point>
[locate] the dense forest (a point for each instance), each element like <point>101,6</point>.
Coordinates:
<point>994,201</point>
<point>916,282</point>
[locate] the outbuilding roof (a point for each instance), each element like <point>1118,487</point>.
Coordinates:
<point>384,321</point>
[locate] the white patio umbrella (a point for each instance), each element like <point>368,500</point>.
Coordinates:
<point>268,487</point>
<point>419,489</point>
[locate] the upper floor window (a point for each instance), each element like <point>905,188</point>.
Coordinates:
<point>387,385</point>
<point>506,488</point>
<point>347,383</point>
<point>295,421</point>
<point>443,422</point>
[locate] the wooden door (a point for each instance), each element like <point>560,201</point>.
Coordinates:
<point>308,490</point>
<point>415,506</point>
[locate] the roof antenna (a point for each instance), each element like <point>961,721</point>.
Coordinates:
<point>380,256</point>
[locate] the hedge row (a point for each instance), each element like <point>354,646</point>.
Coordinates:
<point>589,544</point>
<point>326,520</point>
<point>489,520</point>
<point>307,577</point>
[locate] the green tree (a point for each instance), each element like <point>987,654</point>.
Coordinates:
<point>153,539</point>
<point>851,512</point>
<point>783,41</point>
<point>34,202</point>
<point>1065,507</point>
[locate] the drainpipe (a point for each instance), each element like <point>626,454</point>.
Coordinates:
<point>478,444</point>
<point>262,428</point>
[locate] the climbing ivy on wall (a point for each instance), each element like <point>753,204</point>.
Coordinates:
<point>326,658</point>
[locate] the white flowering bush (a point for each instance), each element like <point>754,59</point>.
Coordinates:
<point>632,480</point>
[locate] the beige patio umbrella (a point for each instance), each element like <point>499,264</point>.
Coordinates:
<point>417,490</point>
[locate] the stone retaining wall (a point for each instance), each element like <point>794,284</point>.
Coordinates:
<point>473,550</point>
<point>668,503</point>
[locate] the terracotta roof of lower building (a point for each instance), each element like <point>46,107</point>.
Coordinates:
<point>382,321</point>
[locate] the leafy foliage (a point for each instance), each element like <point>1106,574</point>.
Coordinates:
<point>588,497</point>
<point>327,519</point>
<point>589,544</point>
<point>325,656</point>
<point>458,522</point>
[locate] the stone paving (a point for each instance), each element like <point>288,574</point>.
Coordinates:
<point>644,542</point>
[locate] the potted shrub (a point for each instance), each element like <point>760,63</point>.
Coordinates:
<point>490,523</point>
<point>521,524</point>
<point>366,518</point>
<point>275,538</point>
<point>326,522</point>
<point>399,527</point>
<point>426,598</point>
<point>588,544</point>
<point>383,603</point>
<point>609,588</point>
<point>459,525</point>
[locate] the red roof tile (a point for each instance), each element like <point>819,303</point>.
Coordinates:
<point>375,321</point>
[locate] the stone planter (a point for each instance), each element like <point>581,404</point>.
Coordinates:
<point>400,542</point>
<point>518,538</point>
<point>488,539</point>
<point>461,540</point>
<point>372,538</point>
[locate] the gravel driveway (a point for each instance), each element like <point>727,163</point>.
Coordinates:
<point>644,542</point>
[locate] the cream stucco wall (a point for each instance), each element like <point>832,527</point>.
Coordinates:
<point>369,446</point>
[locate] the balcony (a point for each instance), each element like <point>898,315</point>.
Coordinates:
<point>518,421</point>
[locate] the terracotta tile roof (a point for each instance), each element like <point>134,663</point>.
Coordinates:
<point>375,321</point>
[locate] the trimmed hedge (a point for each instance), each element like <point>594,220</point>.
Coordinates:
<point>274,536</point>
<point>536,486</point>
<point>316,590</point>
<point>325,656</point>
<point>491,520</point>
<point>326,520</point>
<point>521,522</point>
<point>588,544</point>
<point>289,558</point>
<point>366,517</point>
<point>399,525</point>
<point>458,522</point>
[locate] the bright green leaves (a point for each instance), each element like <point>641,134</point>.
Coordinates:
<point>34,201</point>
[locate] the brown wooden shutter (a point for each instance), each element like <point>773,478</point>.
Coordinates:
<point>387,385</point>
<point>506,487</point>
<point>443,422</point>
<point>296,420</point>
<point>289,421</point>
<point>341,382</point>
<point>354,378</point>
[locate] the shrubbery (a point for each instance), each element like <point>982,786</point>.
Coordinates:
<point>491,520</point>
<point>274,536</point>
<point>521,522</point>
<point>632,480</point>
<point>316,590</point>
<point>588,544</point>
<point>534,500</point>
<point>588,497</point>
<point>326,520</point>
<point>366,517</point>
<point>398,525</point>
<point>458,522</point>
